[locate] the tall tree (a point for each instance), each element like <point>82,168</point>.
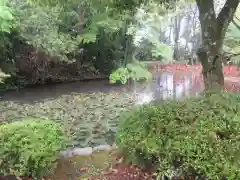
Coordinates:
<point>213,29</point>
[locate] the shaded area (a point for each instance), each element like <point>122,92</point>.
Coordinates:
<point>54,91</point>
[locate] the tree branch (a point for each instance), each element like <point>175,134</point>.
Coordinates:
<point>236,18</point>
<point>226,14</point>
<point>227,56</point>
<point>207,17</point>
<point>230,55</point>
<point>206,7</point>
<point>208,21</point>
<point>236,24</point>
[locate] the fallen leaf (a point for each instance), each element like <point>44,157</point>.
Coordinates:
<point>120,160</point>
<point>83,169</point>
<point>114,171</point>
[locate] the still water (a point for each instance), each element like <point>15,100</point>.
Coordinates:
<point>163,86</point>
<point>91,111</point>
<point>168,85</point>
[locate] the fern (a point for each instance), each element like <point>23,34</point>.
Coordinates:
<point>103,21</point>
<point>87,37</point>
<point>163,51</point>
<point>137,72</point>
<point>133,71</point>
<point>110,24</point>
<point>121,74</point>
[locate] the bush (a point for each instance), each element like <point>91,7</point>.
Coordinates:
<point>30,147</point>
<point>133,71</point>
<point>199,137</point>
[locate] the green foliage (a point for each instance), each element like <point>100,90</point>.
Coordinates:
<point>87,37</point>
<point>148,44</point>
<point>197,136</point>
<point>162,51</point>
<point>100,21</point>
<point>39,26</point>
<point>6,17</point>
<point>121,74</point>
<point>30,147</point>
<point>74,31</point>
<point>58,29</point>
<point>232,40</point>
<point>133,71</point>
<point>80,33</point>
<point>148,50</point>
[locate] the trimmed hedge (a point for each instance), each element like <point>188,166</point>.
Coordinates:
<point>196,136</point>
<point>30,147</point>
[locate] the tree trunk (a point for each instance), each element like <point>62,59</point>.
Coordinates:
<point>177,26</point>
<point>212,70</point>
<point>213,31</point>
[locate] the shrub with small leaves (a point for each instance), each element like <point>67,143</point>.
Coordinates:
<point>196,136</point>
<point>30,147</point>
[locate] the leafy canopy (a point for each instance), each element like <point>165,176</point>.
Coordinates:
<point>6,17</point>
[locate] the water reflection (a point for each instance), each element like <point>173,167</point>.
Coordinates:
<point>168,86</point>
<point>164,85</point>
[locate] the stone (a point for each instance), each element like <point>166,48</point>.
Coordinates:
<point>66,154</point>
<point>82,151</point>
<point>102,148</point>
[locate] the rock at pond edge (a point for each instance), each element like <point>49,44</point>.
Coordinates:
<point>82,151</point>
<point>87,151</point>
<point>66,154</point>
<point>102,148</point>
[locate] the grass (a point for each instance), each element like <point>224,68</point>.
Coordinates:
<point>90,118</point>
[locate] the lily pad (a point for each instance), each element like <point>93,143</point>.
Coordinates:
<point>87,116</point>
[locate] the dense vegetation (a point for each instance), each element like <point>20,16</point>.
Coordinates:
<point>30,147</point>
<point>198,137</point>
<point>57,41</point>
<point>63,41</point>
<point>47,41</point>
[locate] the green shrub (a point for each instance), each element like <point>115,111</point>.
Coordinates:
<point>133,71</point>
<point>30,147</point>
<point>198,136</point>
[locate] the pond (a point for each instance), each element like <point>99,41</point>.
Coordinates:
<point>90,110</point>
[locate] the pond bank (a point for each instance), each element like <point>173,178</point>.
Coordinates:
<point>18,86</point>
<point>100,165</point>
<point>90,111</point>
<point>90,114</point>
